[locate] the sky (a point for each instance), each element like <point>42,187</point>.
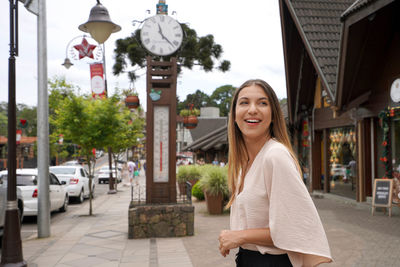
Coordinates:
<point>249,32</point>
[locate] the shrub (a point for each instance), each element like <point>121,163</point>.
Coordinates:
<point>187,173</point>
<point>197,192</point>
<point>215,180</point>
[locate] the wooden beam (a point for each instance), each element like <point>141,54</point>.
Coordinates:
<point>359,100</point>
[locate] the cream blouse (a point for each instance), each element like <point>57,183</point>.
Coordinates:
<point>274,196</point>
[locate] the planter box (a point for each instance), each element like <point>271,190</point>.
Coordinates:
<point>215,204</point>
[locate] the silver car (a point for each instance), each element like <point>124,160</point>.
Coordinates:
<point>27,192</point>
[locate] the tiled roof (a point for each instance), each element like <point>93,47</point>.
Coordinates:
<point>207,125</point>
<point>357,5</point>
<point>320,22</point>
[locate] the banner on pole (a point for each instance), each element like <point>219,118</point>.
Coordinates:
<point>97,80</point>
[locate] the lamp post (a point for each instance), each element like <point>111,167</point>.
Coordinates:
<point>12,244</point>
<point>100,27</point>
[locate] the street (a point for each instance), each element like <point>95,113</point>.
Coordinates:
<point>29,224</point>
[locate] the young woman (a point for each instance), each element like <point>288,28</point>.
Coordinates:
<point>273,219</point>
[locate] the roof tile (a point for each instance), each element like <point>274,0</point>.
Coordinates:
<point>320,22</point>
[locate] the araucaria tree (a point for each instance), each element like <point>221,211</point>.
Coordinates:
<point>195,51</point>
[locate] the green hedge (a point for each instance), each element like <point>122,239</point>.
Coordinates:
<point>197,192</point>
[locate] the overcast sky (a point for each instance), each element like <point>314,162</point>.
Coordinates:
<point>249,32</point>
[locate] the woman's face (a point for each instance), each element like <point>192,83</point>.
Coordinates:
<point>253,113</point>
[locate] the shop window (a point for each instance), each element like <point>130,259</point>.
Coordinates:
<point>343,161</point>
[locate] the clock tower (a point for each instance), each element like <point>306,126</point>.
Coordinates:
<point>161,35</point>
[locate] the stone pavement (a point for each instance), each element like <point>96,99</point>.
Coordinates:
<point>356,238</point>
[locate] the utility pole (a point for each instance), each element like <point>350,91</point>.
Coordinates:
<point>43,217</point>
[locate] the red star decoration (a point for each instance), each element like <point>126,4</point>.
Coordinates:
<point>85,49</point>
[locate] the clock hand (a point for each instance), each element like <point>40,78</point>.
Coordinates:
<point>162,35</point>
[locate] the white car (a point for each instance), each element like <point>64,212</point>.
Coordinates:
<point>27,189</point>
<point>3,202</point>
<point>77,180</point>
<point>104,174</point>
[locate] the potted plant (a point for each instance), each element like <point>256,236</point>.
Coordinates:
<point>190,117</point>
<point>215,186</point>
<point>187,173</point>
<point>131,98</point>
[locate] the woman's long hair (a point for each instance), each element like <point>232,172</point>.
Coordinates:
<point>238,156</point>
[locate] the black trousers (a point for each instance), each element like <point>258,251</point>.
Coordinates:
<point>250,258</point>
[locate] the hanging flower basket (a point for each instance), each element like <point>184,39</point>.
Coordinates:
<point>132,101</point>
<point>190,118</point>
<point>191,122</point>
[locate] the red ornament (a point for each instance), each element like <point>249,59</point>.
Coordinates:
<point>392,113</point>
<point>384,143</point>
<point>85,49</point>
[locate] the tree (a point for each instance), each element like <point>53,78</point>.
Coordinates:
<point>59,89</point>
<point>129,131</point>
<point>90,124</point>
<point>195,51</point>
<point>221,98</point>
<point>198,99</point>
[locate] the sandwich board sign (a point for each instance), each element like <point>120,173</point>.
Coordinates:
<point>382,196</point>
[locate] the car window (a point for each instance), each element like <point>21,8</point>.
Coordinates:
<point>83,173</point>
<point>53,179</point>
<point>23,180</point>
<point>63,170</point>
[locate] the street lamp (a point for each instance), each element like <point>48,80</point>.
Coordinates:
<point>100,28</point>
<point>11,244</point>
<point>96,56</point>
<point>99,24</point>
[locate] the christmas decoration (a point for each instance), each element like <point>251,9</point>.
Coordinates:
<point>385,117</point>
<point>85,49</point>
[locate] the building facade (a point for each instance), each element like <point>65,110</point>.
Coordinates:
<point>342,64</point>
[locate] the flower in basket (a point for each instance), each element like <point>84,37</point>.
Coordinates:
<point>131,98</point>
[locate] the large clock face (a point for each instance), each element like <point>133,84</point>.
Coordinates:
<point>161,35</point>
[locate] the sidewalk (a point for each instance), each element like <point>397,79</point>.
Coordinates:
<point>356,238</point>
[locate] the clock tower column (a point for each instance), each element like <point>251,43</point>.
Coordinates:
<point>161,131</point>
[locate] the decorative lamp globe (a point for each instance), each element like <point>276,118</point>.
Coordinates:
<point>99,24</point>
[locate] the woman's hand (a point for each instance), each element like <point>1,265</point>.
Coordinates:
<point>228,240</point>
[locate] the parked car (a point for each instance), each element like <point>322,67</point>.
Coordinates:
<point>99,153</point>
<point>77,180</point>
<point>104,174</point>
<point>3,201</point>
<point>71,163</point>
<point>27,191</point>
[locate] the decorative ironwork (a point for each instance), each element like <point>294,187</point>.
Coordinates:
<point>138,195</point>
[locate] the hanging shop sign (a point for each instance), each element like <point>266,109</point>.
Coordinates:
<point>97,80</point>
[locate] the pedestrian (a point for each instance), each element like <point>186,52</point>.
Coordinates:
<point>131,168</point>
<point>125,174</point>
<point>273,220</point>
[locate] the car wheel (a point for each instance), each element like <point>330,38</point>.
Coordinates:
<point>81,197</point>
<point>64,207</point>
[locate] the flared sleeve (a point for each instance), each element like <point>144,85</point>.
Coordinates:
<point>294,222</point>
